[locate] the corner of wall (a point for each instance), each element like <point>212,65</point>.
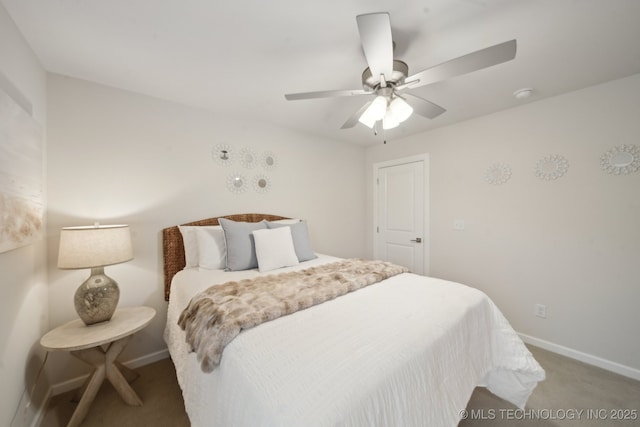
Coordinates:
<point>24,314</point>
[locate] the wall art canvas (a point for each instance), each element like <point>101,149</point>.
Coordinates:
<point>21,176</point>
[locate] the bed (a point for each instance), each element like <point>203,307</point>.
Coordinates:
<point>408,350</point>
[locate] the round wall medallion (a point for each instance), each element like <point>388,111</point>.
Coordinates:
<point>498,173</point>
<point>268,160</point>
<point>261,183</point>
<point>222,154</point>
<point>247,158</point>
<point>621,160</point>
<point>551,167</point>
<point>237,183</point>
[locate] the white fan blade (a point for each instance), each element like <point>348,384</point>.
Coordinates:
<point>325,94</point>
<point>406,86</point>
<point>477,60</point>
<point>423,107</point>
<point>353,120</point>
<point>377,43</point>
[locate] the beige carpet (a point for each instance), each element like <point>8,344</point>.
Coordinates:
<point>157,387</point>
<point>571,386</point>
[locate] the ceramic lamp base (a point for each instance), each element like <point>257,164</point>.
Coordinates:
<point>97,298</point>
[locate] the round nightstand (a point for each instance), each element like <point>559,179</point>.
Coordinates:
<point>99,345</point>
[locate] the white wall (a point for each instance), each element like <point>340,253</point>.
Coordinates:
<point>116,156</point>
<point>23,306</point>
<point>572,244</point>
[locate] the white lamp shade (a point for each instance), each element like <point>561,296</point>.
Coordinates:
<point>367,120</point>
<point>97,246</point>
<point>389,121</point>
<point>377,109</point>
<point>400,109</point>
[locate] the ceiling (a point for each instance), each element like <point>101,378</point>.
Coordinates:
<point>241,57</point>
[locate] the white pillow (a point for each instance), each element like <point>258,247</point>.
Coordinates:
<point>300,236</point>
<point>212,252</point>
<point>274,248</point>
<point>190,245</point>
<point>190,242</point>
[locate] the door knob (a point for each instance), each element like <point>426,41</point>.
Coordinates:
<point>417,240</point>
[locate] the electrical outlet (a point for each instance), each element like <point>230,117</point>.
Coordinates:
<point>540,310</point>
<point>458,224</point>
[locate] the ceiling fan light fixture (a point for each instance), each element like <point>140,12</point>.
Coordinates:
<point>389,121</point>
<point>377,109</point>
<point>386,76</point>
<point>401,109</point>
<point>367,120</point>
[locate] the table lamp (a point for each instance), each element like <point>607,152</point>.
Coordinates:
<point>95,247</point>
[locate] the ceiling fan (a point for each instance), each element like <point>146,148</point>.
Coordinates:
<point>388,79</point>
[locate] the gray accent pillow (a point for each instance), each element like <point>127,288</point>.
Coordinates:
<point>241,249</point>
<point>300,235</point>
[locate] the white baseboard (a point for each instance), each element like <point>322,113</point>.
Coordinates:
<point>39,414</point>
<point>590,359</point>
<point>29,414</point>
<point>147,359</point>
<point>77,382</point>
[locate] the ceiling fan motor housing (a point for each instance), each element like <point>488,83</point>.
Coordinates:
<point>400,72</point>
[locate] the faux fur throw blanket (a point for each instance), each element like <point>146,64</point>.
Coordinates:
<point>217,315</point>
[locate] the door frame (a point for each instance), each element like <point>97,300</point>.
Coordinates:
<point>426,239</point>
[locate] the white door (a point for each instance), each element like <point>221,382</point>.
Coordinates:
<point>399,232</point>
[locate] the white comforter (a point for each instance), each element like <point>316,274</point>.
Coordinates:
<point>404,352</point>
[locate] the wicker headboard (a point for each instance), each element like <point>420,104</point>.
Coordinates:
<point>173,248</point>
